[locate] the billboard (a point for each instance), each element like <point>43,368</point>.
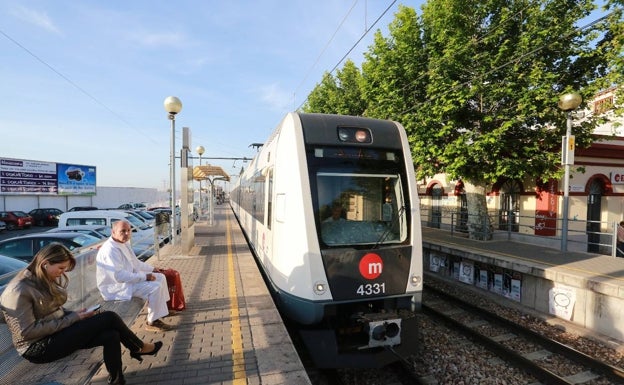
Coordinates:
<point>75,179</point>
<point>32,177</point>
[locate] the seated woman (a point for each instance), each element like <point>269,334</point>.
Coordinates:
<point>43,331</point>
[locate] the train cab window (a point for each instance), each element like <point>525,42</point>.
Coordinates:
<point>358,209</point>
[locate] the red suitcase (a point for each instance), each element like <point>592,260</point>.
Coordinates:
<point>176,294</point>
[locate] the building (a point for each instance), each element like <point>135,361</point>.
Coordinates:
<point>524,209</point>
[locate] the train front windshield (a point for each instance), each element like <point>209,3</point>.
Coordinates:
<point>359,201</point>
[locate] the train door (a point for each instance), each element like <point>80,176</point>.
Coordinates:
<point>593,216</point>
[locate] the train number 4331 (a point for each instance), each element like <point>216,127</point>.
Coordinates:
<point>371,289</point>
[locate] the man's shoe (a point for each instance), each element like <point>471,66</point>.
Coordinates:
<point>172,312</point>
<point>158,326</point>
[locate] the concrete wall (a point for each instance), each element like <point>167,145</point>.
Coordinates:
<point>105,197</point>
<point>599,302</point>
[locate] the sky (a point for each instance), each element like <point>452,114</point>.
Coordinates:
<point>83,82</point>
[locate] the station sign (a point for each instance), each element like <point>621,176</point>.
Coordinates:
<point>617,177</point>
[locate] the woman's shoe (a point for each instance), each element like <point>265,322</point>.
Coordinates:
<point>120,380</point>
<point>137,355</point>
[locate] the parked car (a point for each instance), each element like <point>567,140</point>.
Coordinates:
<point>8,268</point>
<point>132,206</point>
<point>16,219</point>
<point>143,251</point>
<point>3,226</point>
<point>83,208</point>
<point>144,217</point>
<point>45,217</point>
<point>26,246</point>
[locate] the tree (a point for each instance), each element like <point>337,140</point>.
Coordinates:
<point>338,95</point>
<point>394,72</point>
<point>476,85</point>
<point>322,98</point>
<point>496,70</point>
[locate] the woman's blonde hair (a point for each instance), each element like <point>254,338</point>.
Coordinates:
<point>52,254</point>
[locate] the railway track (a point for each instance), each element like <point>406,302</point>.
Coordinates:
<point>549,361</point>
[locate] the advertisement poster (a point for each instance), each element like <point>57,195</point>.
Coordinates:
<point>561,301</point>
<point>19,176</point>
<point>466,273</point>
<point>498,284</point>
<point>483,279</point>
<point>75,179</point>
<point>516,290</point>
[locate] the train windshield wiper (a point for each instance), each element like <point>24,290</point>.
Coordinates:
<point>388,230</point>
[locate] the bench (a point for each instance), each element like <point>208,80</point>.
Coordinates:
<point>79,367</point>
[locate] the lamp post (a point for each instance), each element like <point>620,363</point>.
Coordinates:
<point>173,106</point>
<point>567,103</point>
<point>200,151</point>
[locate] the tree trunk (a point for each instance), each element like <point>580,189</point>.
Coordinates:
<point>479,226</point>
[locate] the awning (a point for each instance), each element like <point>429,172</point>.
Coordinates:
<point>207,171</point>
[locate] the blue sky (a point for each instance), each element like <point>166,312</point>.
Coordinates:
<point>83,82</point>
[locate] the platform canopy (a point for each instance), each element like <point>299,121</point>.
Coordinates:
<point>207,171</point>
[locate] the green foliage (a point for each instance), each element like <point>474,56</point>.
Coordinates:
<point>476,82</point>
<point>338,95</point>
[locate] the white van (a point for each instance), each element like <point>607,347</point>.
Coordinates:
<point>141,232</point>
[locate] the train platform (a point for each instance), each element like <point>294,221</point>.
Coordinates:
<point>230,331</point>
<point>580,289</point>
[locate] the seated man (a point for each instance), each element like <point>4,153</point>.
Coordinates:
<point>336,214</point>
<point>121,276</point>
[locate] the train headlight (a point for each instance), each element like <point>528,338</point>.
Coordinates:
<point>362,136</point>
<point>320,288</point>
<point>354,135</point>
<point>416,280</point>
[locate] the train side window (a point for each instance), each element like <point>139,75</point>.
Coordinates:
<point>269,197</point>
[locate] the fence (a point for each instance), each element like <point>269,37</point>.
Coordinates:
<point>587,236</point>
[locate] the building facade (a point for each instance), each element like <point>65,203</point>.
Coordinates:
<point>529,208</point>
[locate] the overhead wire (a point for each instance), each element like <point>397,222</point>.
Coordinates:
<point>466,47</point>
<point>325,48</point>
<point>510,62</point>
<point>366,31</point>
<point>75,85</point>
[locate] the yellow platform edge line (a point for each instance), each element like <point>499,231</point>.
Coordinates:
<point>238,359</point>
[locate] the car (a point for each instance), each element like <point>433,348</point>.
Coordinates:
<point>8,268</point>
<point>45,217</point>
<point>143,251</point>
<point>133,206</point>
<point>26,246</point>
<point>16,219</point>
<point>98,231</point>
<point>83,208</point>
<point>145,217</point>
<point>3,226</point>
<point>146,214</point>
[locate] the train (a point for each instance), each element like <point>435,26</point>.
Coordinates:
<point>330,209</point>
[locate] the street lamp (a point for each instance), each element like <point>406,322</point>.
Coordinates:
<point>567,102</point>
<point>173,106</point>
<point>200,151</point>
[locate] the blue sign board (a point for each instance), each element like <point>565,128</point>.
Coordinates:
<point>75,179</point>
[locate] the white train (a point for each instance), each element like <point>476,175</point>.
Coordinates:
<point>330,207</point>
